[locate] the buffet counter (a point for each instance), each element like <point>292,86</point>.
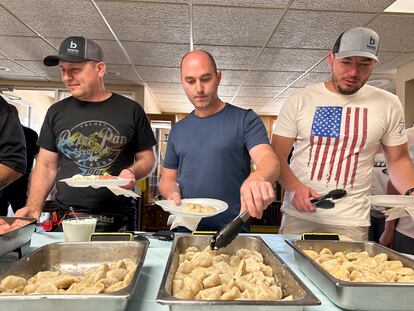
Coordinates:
<point>156,260</point>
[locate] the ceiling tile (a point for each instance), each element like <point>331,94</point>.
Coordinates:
<point>159,74</point>
<point>54,18</point>
<point>52,73</point>
<point>270,78</point>
<point>145,21</point>
<point>25,48</point>
<point>11,26</point>
<point>395,32</point>
<point>226,57</point>
<point>312,78</point>
<point>251,101</point>
<point>21,78</point>
<point>15,69</point>
<point>158,54</point>
<point>126,73</point>
<point>288,59</point>
<point>302,29</point>
<point>245,3</point>
<point>340,5</point>
<point>166,88</point>
<point>232,77</point>
<point>258,91</point>
<point>237,26</point>
<point>396,62</point>
<point>226,90</point>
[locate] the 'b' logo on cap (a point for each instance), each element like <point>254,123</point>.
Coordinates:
<point>73,45</point>
<point>371,40</point>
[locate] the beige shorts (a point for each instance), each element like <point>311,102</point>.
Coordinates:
<point>294,225</point>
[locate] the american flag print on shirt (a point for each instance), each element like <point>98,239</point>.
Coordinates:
<point>338,135</point>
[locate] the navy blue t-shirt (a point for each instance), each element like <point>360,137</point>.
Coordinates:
<point>211,155</point>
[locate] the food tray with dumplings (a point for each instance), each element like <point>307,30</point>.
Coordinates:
<point>357,275</point>
<point>74,276</point>
<point>244,274</point>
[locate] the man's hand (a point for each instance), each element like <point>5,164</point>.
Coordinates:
<point>28,211</point>
<point>387,238</point>
<point>128,174</point>
<point>256,195</point>
<point>301,199</point>
<point>176,197</point>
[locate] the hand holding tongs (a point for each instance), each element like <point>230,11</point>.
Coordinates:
<point>326,201</point>
<point>226,235</point>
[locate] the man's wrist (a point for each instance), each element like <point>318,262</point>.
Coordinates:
<point>409,191</point>
<point>131,170</point>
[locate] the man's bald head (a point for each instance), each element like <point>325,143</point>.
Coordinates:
<point>199,53</point>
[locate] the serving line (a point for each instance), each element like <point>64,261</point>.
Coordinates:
<point>156,260</point>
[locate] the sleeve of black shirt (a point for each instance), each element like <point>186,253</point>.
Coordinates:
<point>12,142</point>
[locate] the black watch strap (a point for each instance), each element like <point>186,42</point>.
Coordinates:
<point>409,191</point>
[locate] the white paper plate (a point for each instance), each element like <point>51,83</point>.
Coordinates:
<point>170,207</point>
<point>75,182</point>
<point>392,200</point>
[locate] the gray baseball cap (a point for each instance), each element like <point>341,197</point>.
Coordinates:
<point>358,41</point>
<point>75,50</point>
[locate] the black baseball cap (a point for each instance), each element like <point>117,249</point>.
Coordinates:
<point>75,50</point>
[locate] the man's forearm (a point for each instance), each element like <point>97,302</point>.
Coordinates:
<point>267,169</point>
<point>7,175</point>
<point>41,183</point>
<point>402,175</point>
<point>168,187</point>
<point>144,164</point>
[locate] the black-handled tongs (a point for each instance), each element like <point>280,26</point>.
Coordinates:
<point>326,201</point>
<point>226,235</point>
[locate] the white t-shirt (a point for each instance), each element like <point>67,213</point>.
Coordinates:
<point>379,182</point>
<point>336,138</point>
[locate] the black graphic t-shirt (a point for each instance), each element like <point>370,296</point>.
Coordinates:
<point>93,138</point>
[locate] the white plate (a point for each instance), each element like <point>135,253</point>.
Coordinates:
<point>75,182</point>
<point>392,200</point>
<point>170,207</point>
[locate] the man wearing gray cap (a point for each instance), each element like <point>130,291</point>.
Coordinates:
<point>336,127</point>
<point>93,132</point>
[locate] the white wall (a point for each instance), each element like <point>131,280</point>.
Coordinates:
<point>150,105</point>
<point>405,91</point>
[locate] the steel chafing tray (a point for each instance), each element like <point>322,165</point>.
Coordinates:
<point>355,295</point>
<point>290,283</point>
<point>74,258</point>
<point>18,234</point>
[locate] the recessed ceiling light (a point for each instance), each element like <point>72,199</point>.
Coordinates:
<point>113,73</point>
<point>4,69</point>
<point>401,6</point>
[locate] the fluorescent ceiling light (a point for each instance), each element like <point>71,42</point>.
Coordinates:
<point>401,6</point>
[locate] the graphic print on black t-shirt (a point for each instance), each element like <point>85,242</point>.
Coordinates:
<point>93,145</point>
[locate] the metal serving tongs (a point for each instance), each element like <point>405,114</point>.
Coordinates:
<point>226,235</point>
<point>326,201</point>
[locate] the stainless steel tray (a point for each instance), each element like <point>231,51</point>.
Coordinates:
<point>355,295</point>
<point>12,240</point>
<point>291,284</point>
<point>74,258</point>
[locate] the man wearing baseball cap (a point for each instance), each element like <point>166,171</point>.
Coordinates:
<point>93,132</point>
<point>336,127</point>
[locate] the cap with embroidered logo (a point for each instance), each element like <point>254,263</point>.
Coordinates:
<point>358,41</point>
<point>75,50</point>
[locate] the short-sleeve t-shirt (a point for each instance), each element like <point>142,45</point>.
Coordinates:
<point>93,138</point>
<point>12,142</point>
<point>211,155</point>
<point>336,138</point>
